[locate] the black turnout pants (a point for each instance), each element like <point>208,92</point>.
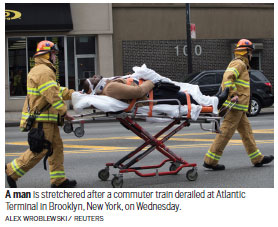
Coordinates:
<point>160,93</point>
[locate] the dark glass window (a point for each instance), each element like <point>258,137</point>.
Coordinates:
<point>190,77</point>
<point>81,52</point>
<point>255,63</point>
<point>219,78</point>
<point>71,63</point>
<point>60,60</point>
<point>257,76</point>
<point>86,69</point>
<point>85,45</point>
<point>31,50</point>
<point>207,79</point>
<point>17,66</point>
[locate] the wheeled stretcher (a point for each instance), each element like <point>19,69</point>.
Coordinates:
<point>128,120</point>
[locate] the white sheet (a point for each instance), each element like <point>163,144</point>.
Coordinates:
<point>108,104</point>
<point>145,73</point>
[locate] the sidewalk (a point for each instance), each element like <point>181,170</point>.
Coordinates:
<point>12,119</point>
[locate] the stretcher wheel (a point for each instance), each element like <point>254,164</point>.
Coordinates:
<point>79,132</point>
<point>117,182</point>
<point>174,166</point>
<point>68,128</point>
<point>103,174</point>
<point>192,175</point>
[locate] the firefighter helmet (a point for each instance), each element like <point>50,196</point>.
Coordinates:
<point>44,47</point>
<point>244,44</point>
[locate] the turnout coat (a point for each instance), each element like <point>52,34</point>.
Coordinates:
<point>43,90</point>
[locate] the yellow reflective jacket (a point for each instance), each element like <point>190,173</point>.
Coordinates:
<point>42,89</point>
<point>236,77</point>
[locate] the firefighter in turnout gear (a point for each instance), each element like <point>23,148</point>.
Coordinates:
<point>44,107</point>
<point>236,78</point>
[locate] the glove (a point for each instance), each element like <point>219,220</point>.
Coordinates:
<point>234,99</point>
<point>68,117</point>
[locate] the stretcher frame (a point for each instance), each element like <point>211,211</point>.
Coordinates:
<point>128,120</point>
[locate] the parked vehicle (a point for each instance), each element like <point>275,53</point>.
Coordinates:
<point>261,89</point>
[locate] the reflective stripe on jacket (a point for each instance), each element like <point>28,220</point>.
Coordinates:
<point>42,89</point>
<point>236,77</point>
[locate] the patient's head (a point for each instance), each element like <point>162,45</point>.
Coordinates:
<point>90,83</point>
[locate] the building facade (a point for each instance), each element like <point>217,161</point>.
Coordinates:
<point>155,34</point>
<point>83,33</point>
<point>109,39</point>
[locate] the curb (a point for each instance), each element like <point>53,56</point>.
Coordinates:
<point>11,124</point>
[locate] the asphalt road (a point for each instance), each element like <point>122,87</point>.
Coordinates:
<point>105,142</point>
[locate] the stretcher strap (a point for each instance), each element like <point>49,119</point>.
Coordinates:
<point>206,109</point>
<point>188,105</point>
<point>129,82</point>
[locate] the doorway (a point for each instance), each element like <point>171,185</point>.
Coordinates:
<point>85,68</point>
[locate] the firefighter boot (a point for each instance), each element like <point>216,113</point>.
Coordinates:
<point>266,160</point>
<point>216,167</point>
<point>222,97</point>
<point>66,184</point>
<point>11,181</point>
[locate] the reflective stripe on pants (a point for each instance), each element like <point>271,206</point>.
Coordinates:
<point>28,159</point>
<point>234,120</point>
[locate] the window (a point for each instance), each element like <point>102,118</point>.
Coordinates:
<point>85,59</point>
<point>31,50</point>
<point>71,65</point>
<point>219,78</point>
<point>17,66</point>
<point>80,60</point>
<point>60,60</point>
<point>258,76</point>
<point>207,79</point>
<point>85,45</point>
<point>21,51</point>
<point>255,62</point>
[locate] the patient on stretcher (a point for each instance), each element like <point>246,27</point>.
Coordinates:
<point>127,88</point>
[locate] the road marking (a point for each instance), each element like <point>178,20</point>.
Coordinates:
<point>87,149</point>
<point>264,131</point>
<point>107,138</point>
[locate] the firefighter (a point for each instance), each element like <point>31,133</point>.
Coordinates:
<point>236,77</point>
<point>43,107</point>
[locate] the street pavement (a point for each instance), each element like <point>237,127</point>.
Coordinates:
<point>108,141</point>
